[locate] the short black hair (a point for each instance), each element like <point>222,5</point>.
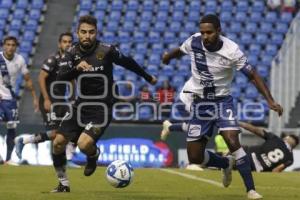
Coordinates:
<point>88,19</point>
<point>13,38</point>
<point>296,138</point>
<point>212,19</point>
<point>65,34</point>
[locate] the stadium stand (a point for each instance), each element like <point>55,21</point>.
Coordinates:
<point>145,29</point>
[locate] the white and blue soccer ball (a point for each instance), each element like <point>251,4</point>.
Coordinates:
<point>119,174</point>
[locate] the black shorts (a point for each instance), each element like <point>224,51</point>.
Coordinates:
<point>53,119</point>
<point>93,121</point>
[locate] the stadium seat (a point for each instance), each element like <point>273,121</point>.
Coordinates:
<point>124,37</point>
<point>112,26</point>
<point>277,38</point>
<point>31,25</point>
<point>241,17</point>
<point>168,70</point>
<point>148,5</point>
<point>4,13</point>
<point>139,58</point>
<point>21,4</point>
<point>179,6</point>
<point>132,5</point>
<point>6,4</point>
<point>235,27</point>
<point>2,25</point>
<point>159,26</point>
<point>195,5</point>
<point>163,5</point>
<point>139,37</point>
<point>261,38</point>
<point>154,59</point>
<point>115,16</point>
<point>193,16</point>
<point>125,48</point>
<point>146,16</point>
<point>241,80</point>
<point>144,26</point>
<point>118,70</point>
<point>86,5</point>
<point>178,16</point>
<point>263,71</point>
<point>28,36</point>
<point>286,17</point>
<point>242,6</point>
<point>183,36</point>
<point>251,92</point>
<point>128,26</point>
<point>251,27</point>
<point>178,81</point>
<point>246,38</point>
<point>130,16</point>
<point>235,91</point>
<point>266,60</point>
<point>14,33</point>
<point>254,49</point>
<point>266,27</point>
<point>153,69</point>
<point>281,28</point>
<point>258,6</point>
<point>25,46</point>
<point>271,17</point>
<point>255,17</point>
<point>99,14</point>
<point>226,6</point>
<point>154,37</point>
<point>157,48</point>
<point>117,5</point>
<point>190,27</point>
<point>226,16</point>
<point>109,37</point>
<point>252,59</point>
<point>211,6</point>
<point>19,14</point>
<point>16,25</point>
<point>83,12</point>
<point>232,36</point>
<point>101,5</point>
<point>271,49</point>
<point>175,27</point>
<point>37,4</point>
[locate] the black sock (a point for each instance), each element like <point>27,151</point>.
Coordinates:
<point>11,134</point>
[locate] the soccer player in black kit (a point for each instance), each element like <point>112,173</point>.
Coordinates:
<point>275,154</point>
<point>91,65</point>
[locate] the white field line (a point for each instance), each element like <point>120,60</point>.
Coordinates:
<point>189,176</point>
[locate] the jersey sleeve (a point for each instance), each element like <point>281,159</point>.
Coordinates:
<point>49,64</point>
<point>186,46</point>
<point>23,65</point>
<point>268,135</point>
<point>240,61</point>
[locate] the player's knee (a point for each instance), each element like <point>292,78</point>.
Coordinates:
<point>85,144</point>
<point>58,146</point>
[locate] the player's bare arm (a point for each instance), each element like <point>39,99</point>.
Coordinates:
<point>42,83</point>
<point>29,85</point>
<point>264,90</point>
<point>279,168</point>
<point>174,53</point>
<point>253,129</point>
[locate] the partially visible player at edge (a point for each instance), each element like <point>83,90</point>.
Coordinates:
<point>214,59</point>
<point>91,65</point>
<point>12,64</point>
<point>47,77</point>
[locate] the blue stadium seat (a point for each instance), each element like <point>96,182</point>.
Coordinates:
<point>37,4</point>
<point>195,5</point>
<point>154,37</point>
<point>14,33</point>
<point>193,16</point>
<point>118,77</point>
<point>252,59</point>
<point>226,6</point>
<point>112,26</point>
<point>123,37</point>
<point>139,58</point>
<point>141,48</point>
<point>266,27</point>
<point>175,26</point>
<point>240,17</point>
<point>162,16</point>
<point>139,37</point>
<point>86,5</point>
<point>159,26</point>
<point>154,59</point>
<point>183,36</point>
<point>118,70</point>
<point>125,48</point>
<point>261,38</point>
<point>99,14</point>
<point>251,92</point>
<point>254,49</point>
<point>190,27</point>
<point>157,48</point>
<point>130,16</point>
<point>82,13</point>
<point>153,69</point>
<point>28,36</point>
<point>246,38</point>
<point>15,24</point>
<point>179,6</point>
<point>19,14</point>
<point>178,80</point>
<point>117,5</point>
<point>232,36</point>
<point>255,17</point>
<point>163,5</point>
<point>277,38</point>
<point>4,13</point>
<point>241,80</point>
<point>31,25</point>
<point>226,16</point>
<point>271,17</point>
<point>281,28</point>
<point>114,16</point>
<point>251,27</point>
<point>271,49</point>
<point>7,4</point>
<point>148,5</point>
<point>235,91</point>
<point>161,78</point>
<point>178,16</point>
<point>101,5</point>
<point>235,27</point>
<point>242,6</point>
<point>132,77</point>
<point>132,5</point>
<point>2,25</point>
<point>168,70</point>
<point>286,17</point>
<point>128,26</point>
<point>22,4</point>
<point>25,46</point>
<point>266,60</point>
<point>263,71</point>
<point>211,6</point>
<point>258,6</point>
<point>109,37</point>
<point>146,16</point>
<point>144,26</point>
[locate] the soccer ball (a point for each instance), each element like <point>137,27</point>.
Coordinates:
<point>119,174</point>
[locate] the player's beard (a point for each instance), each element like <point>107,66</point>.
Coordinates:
<point>86,46</point>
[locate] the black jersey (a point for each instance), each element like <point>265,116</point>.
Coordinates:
<point>97,85</point>
<point>272,152</point>
<point>52,65</point>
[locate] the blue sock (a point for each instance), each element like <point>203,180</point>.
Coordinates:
<point>214,160</point>
<point>11,134</point>
<point>176,127</point>
<point>244,167</point>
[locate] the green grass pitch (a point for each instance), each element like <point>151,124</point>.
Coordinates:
<point>34,183</point>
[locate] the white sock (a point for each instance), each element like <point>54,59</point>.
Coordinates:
<point>62,176</point>
<point>239,153</point>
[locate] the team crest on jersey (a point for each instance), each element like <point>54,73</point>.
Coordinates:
<point>224,61</point>
<point>100,55</point>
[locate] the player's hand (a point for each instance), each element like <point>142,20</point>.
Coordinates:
<point>276,107</point>
<point>83,66</point>
<point>36,104</point>
<point>153,80</point>
<point>47,105</point>
<point>165,58</point>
